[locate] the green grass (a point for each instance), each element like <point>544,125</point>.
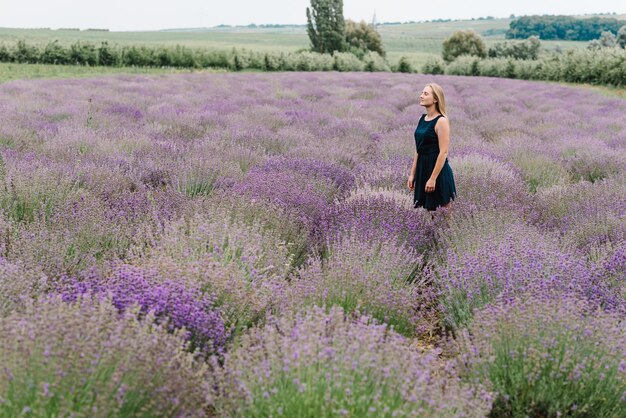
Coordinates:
<point>11,71</point>
<point>608,91</point>
<point>257,39</point>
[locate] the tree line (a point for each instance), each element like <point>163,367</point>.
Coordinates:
<point>465,53</point>
<point>562,27</point>
<point>113,55</point>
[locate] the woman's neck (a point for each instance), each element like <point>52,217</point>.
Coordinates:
<point>431,111</point>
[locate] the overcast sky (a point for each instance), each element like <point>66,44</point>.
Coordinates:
<point>117,15</point>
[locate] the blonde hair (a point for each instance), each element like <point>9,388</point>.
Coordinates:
<point>440,104</point>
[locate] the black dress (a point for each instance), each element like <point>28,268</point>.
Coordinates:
<point>427,147</point>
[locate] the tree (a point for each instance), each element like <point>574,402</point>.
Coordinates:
<point>326,26</point>
<point>621,37</point>
<point>363,37</point>
<point>607,39</point>
<point>463,43</point>
<point>594,45</point>
<point>404,66</point>
<point>527,49</point>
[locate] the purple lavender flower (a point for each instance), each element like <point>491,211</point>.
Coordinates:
<point>167,300</point>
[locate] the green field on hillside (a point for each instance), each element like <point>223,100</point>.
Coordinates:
<point>416,41</point>
<point>12,71</point>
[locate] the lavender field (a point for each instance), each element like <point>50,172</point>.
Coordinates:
<point>245,245</point>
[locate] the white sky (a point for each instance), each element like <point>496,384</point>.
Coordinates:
<point>117,15</point>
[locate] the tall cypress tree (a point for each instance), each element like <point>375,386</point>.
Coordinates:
<point>326,26</point>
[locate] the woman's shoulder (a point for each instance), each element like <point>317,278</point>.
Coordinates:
<point>442,120</point>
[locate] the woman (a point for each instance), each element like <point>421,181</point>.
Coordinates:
<point>431,176</point>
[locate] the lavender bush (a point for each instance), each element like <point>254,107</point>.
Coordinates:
<point>258,253</point>
<point>586,226</point>
<point>82,359</point>
<point>239,262</point>
<point>495,256</point>
<point>241,303</point>
<point>379,216</point>
<point>168,301</point>
<point>548,356</point>
<point>304,187</point>
<point>381,278</point>
<point>277,221</point>
<point>18,284</point>
<point>489,184</point>
<point>325,364</point>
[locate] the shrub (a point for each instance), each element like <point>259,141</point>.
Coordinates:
<point>325,364</point>
<point>18,284</point>
<point>53,53</point>
<point>376,216</point>
<point>273,61</point>
<point>607,39</point>
<point>6,55</point>
<point>304,186</point>
<point>85,231</point>
<point>434,65</point>
<point>388,173</point>
<point>548,357</point>
<point>591,163</point>
<point>25,53</point>
<point>584,225</point>
<point>375,62</point>
<point>170,302</point>
<point>489,183</point>
<point>621,37</point>
<point>497,67</point>
<point>404,66</point>
<point>279,222</point>
<point>380,278</point>
<point>109,56</point>
<point>35,191</point>
<point>345,61</point>
<point>241,303</point>
<point>85,359</point>
<point>308,61</point>
<point>257,253</point>
<point>524,50</point>
<point>217,59</point>
<point>496,254</point>
<point>83,54</point>
<point>540,170</point>
<point>463,65</point>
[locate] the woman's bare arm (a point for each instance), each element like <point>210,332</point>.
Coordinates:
<point>442,128</point>
<point>411,179</point>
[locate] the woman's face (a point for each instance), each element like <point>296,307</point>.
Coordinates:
<point>427,98</point>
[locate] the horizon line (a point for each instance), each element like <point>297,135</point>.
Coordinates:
<point>270,25</point>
